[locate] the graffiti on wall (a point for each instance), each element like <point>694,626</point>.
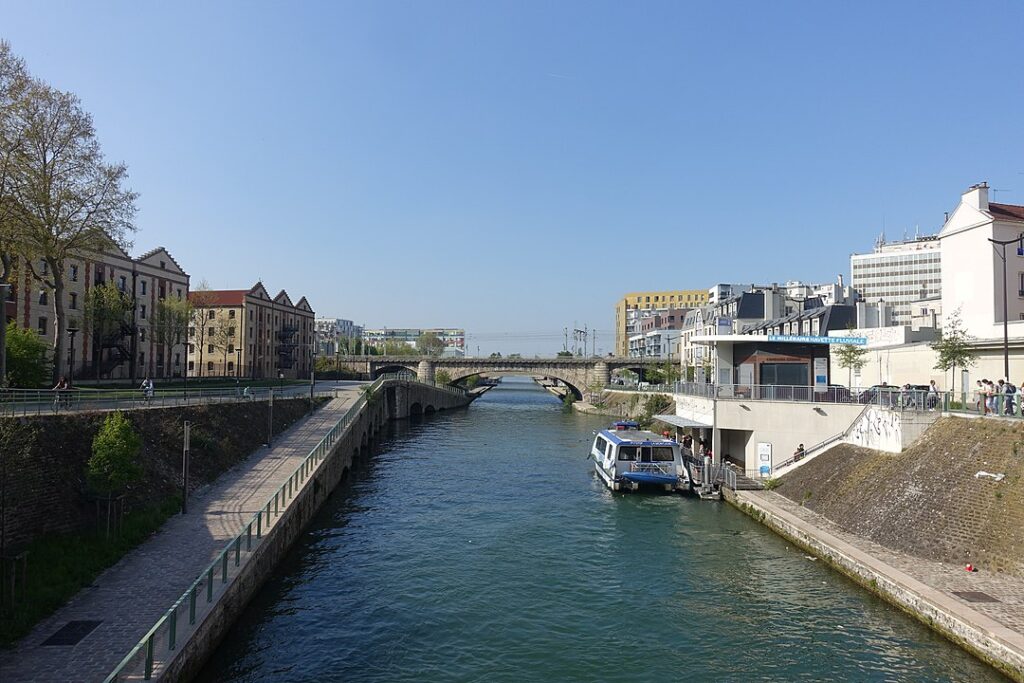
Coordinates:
<point>878,428</point>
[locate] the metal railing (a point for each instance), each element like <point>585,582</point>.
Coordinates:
<point>24,402</point>
<point>158,646</point>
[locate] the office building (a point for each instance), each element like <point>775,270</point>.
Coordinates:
<point>899,273</point>
<point>635,305</point>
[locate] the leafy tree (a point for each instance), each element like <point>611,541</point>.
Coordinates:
<point>953,347</point>
<point>170,328</point>
<point>14,82</point>
<point>564,354</point>
<point>28,363</point>
<point>442,377</point>
<point>851,357</point>
<point>429,344</point>
<point>114,464</point>
<point>108,317</point>
<point>65,199</point>
<point>498,355</point>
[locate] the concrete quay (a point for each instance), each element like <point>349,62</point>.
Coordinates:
<point>992,629</point>
<point>126,600</point>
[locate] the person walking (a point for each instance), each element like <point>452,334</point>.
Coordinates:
<point>1010,396</point>
<point>147,389</point>
<point>933,395</point>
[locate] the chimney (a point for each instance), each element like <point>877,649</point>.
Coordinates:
<point>977,196</point>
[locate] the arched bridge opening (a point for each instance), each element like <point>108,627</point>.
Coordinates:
<point>385,369</point>
<point>459,377</point>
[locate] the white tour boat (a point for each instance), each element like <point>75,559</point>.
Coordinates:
<point>627,458</point>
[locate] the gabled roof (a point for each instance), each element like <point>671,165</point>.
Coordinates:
<point>283,298</point>
<point>1006,212</point>
<point>153,252</point>
<point>304,305</point>
<point>259,291</point>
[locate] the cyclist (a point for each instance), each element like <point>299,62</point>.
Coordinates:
<point>58,400</point>
<point>147,390</point>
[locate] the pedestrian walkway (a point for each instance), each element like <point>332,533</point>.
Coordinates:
<point>991,603</point>
<point>127,599</point>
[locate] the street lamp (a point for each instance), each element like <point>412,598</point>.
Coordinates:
<point>72,331</point>
<point>1006,329</point>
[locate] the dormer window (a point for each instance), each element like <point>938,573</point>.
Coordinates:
<point>163,265</point>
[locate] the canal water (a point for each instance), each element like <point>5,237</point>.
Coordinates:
<point>478,546</point>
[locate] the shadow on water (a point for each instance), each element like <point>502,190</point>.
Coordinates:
<point>478,545</point>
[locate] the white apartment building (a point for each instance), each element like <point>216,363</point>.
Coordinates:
<point>972,280</point>
<point>899,273</point>
<point>655,344</point>
<point>334,335</point>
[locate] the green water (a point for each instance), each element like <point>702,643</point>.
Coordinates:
<point>479,546</point>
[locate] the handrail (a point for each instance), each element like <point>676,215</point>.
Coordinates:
<point>276,504</point>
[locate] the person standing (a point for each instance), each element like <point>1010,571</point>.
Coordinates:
<point>933,395</point>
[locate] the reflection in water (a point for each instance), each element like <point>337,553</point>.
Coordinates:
<point>478,545</point>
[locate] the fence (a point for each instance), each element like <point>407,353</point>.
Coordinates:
<point>169,630</point>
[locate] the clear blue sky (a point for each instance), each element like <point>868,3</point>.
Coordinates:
<point>514,167</point>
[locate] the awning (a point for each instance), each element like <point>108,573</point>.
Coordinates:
<point>677,421</point>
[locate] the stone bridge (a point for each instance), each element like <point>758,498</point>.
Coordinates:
<point>578,373</point>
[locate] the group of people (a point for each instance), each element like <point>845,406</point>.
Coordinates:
<point>702,449</point>
<point>996,398</point>
<point>909,396</point>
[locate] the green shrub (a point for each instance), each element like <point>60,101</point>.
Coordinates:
<point>28,362</point>
<point>114,464</point>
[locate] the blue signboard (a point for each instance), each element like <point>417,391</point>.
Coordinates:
<point>808,339</point>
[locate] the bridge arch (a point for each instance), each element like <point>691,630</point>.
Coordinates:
<point>572,382</point>
<point>394,367</point>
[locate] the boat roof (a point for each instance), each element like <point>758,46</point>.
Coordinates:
<point>635,437</point>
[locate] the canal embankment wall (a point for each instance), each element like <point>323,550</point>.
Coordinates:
<point>906,525</point>
<point>45,459</point>
<point>395,400</point>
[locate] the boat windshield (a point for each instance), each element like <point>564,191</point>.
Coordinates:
<point>627,452</point>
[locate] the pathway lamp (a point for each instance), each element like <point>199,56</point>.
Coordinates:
<point>72,331</point>
<point>1006,330</point>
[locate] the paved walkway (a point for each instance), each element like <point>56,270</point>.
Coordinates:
<point>935,581</point>
<point>128,598</point>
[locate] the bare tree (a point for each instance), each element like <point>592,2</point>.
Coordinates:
<point>108,318</point>
<point>221,331</point>
<point>201,300</point>
<point>65,199</point>
<point>170,327</point>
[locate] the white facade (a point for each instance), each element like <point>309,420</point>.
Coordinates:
<point>331,331</point>
<point>723,291</point>
<point>899,273</point>
<point>655,344</point>
<point>972,278</point>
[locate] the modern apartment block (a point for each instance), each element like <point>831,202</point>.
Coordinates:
<point>454,338</point>
<point>899,273</point>
<point>636,305</point>
<point>336,335</point>
<point>248,333</point>
<point>147,279</point>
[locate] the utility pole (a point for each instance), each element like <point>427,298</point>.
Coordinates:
<point>565,343</point>
<point>184,467</point>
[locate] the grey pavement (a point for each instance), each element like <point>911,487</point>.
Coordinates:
<point>934,581</point>
<point>128,598</point>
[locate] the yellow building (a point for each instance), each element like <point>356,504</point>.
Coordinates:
<point>635,305</point>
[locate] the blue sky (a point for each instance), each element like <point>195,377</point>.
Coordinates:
<point>514,167</point>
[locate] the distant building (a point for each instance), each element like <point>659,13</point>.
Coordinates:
<point>656,343</point>
<point>336,335</point>
<point>454,338</point>
<point>899,273</point>
<point>635,305</point>
<point>248,333</point>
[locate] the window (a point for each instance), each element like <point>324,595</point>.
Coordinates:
<point>44,267</point>
<point>142,313</point>
<point>142,287</point>
<point>627,453</point>
<point>231,366</point>
<point>231,348</point>
<point>210,331</point>
<point>231,332</point>
<point>42,325</point>
<point>142,335</point>
<point>122,283</point>
<point>191,365</point>
<point>162,292</point>
<point>42,297</point>
<point>73,273</point>
<point>210,348</point>
<point>1020,282</point>
<point>191,348</point>
<point>602,445</point>
<point>142,357</point>
<point>163,264</point>
<point>179,293</point>
<point>209,366</point>
<point>177,359</point>
<point>231,314</point>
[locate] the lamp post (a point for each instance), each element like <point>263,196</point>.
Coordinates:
<point>72,331</point>
<point>4,291</point>
<point>1006,329</point>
